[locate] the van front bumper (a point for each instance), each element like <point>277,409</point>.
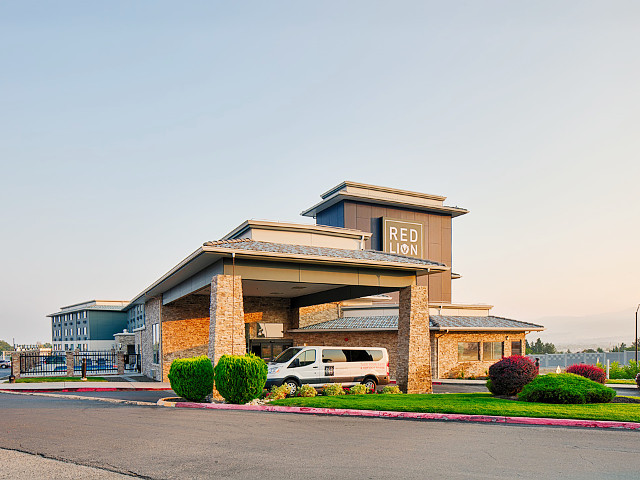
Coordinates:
<point>273,382</point>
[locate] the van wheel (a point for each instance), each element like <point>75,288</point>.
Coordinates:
<point>370,383</point>
<point>293,386</point>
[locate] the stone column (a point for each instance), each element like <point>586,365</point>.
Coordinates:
<point>120,362</point>
<point>226,322</point>
<point>15,364</point>
<point>413,373</point>
<point>70,366</point>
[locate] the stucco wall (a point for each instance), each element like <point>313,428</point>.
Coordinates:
<point>152,311</point>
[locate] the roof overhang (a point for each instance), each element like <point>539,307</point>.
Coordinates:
<point>433,329</point>
<point>208,255</point>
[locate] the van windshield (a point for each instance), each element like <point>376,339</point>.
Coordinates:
<point>287,355</point>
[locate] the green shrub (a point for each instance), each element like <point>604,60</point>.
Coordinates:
<point>192,378</point>
<point>307,391</point>
<point>617,371</point>
<point>358,390</point>
<point>565,388</point>
<point>240,378</point>
<point>333,389</point>
<point>278,393</point>
<point>391,390</point>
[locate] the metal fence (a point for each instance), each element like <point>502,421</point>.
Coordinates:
<point>104,363</point>
<point>563,360</point>
<point>35,364</point>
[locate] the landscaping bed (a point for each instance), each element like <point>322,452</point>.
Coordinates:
<point>469,404</point>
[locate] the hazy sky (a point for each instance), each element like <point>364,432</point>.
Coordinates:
<point>132,132</point>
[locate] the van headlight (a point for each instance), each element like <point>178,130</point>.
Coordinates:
<point>273,370</point>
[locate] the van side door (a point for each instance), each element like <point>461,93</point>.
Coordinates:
<point>306,367</point>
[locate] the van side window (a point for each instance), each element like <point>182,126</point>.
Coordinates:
<point>358,356</point>
<point>307,358</point>
<point>333,356</point>
<point>376,355</point>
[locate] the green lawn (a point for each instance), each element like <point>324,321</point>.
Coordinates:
<point>621,381</point>
<point>58,379</point>
<point>472,404</point>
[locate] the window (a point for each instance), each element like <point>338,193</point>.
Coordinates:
<point>84,330</point>
<point>306,358</point>
<point>468,351</point>
<point>333,356</point>
<point>155,334</point>
<point>516,348</point>
<point>85,314</point>
<point>492,350</point>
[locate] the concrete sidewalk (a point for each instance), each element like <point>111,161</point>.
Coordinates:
<point>83,386</point>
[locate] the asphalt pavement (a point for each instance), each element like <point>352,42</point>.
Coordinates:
<point>157,442</point>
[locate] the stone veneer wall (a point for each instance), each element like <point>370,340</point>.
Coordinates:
<point>388,340</point>
<point>268,310</point>
<point>319,313</point>
<point>226,325</point>
<point>448,366</point>
<point>185,330</point>
<point>152,312</point>
<point>413,373</point>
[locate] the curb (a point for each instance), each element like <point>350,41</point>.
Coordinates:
<point>556,422</point>
<point>79,397</point>
<point>80,389</point>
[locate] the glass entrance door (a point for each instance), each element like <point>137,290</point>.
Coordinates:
<point>269,349</point>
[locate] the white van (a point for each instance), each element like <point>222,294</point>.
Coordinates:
<point>317,366</point>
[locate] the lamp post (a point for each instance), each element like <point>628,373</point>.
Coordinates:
<point>636,340</point>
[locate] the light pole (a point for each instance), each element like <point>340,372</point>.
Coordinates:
<point>636,342</point>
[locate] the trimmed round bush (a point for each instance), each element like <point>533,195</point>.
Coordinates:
<point>240,378</point>
<point>565,388</point>
<point>509,375</point>
<point>192,378</point>
<point>333,389</point>
<point>588,371</point>
<point>306,391</point>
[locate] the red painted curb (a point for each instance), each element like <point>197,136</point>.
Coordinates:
<point>80,389</point>
<point>418,416</point>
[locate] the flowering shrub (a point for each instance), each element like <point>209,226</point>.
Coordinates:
<point>333,389</point>
<point>359,390</point>
<point>565,388</point>
<point>307,391</point>
<point>509,375</point>
<point>588,371</point>
<point>390,390</point>
<point>278,393</point>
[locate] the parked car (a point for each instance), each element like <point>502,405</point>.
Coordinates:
<point>317,366</point>
<point>5,363</point>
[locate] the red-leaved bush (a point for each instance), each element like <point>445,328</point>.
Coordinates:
<point>509,375</point>
<point>588,371</point>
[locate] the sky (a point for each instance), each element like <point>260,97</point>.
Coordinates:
<point>132,132</point>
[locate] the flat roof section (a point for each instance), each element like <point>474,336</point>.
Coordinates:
<point>378,195</point>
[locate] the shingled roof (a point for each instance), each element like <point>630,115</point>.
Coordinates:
<point>334,253</point>
<point>436,322</point>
